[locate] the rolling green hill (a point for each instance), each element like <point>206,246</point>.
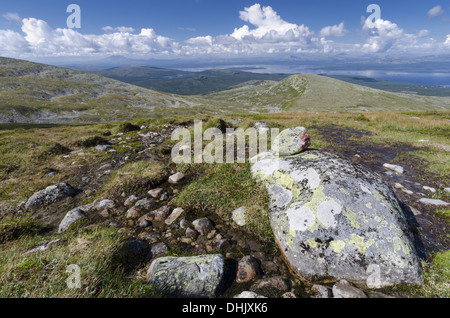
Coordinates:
<point>38,93</point>
<point>31,92</point>
<point>394,86</point>
<point>183,82</point>
<point>306,92</point>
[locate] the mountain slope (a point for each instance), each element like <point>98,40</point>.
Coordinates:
<point>31,92</point>
<point>306,92</point>
<point>183,82</point>
<point>38,93</point>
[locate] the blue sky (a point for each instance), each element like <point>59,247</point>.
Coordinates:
<point>180,28</point>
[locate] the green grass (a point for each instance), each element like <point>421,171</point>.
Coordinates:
<point>44,274</point>
<point>12,228</point>
<point>436,279</point>
<point>135,177</point>
<point>224,188</point>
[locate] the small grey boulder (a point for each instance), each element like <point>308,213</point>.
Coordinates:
<point>50,195</point>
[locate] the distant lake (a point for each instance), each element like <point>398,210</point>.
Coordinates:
<point>426,78</point>
<point>439,79</point>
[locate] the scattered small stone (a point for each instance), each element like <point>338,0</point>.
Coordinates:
<point>186,240</point>
<point>276,284</point>
<point>70,218</point>
<point>291,141</point>
<point>344,289</point>
<point>164,197</point>
<point>43,247</point>
<point>102,147</point>
<point>447,190</point>
<point>203,226</point>
<point>145,205</point>
<point>158,249</point>
<point>162,213</point>
<point>174,179</point>
<point>433,202</point>
<point>430,189</point>
<point>144,223</point>
<point>154,193</point>
<point>407,191</point>
<point>133,213</point>
<point>414,210</point>
<point>249,294</point>
<point>288,295</point>
<point>105,205</point>
<point>320,291</point>
<point>223,244</point>
<point>114,224</point>
<point>248,269</point>
<point>190,233</point>
<point>211,234</point>
<point>106,166</point>
<point>397,169</point>
<point>86,179</point>
<point>131,199</point>
<point>153,236</point>
<point>378,295</point>
<point>174,215</point>
<point>238,216</point>
<point>184,224</point>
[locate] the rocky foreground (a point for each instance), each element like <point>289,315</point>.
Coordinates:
<point>341,230</point>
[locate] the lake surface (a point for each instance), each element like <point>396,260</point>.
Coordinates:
<point>438,78</point>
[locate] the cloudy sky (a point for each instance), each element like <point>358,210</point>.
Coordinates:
<point>226,28</point>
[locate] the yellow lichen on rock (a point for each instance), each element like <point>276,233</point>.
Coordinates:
<point>337,246</point>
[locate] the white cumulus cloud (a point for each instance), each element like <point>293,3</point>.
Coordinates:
<point>447,41</point>
<point>335,30</point>
<point>12,17</point>
<point>121,29</point>
<point>263,32</point>
<point>269,26</point>
<point>435,12</point>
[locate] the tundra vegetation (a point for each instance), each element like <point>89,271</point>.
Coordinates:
<point>35,156</point>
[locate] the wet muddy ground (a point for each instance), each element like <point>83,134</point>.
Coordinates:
<point>430,229</point>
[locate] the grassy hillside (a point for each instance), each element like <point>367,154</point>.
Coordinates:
<point>308,92</point>
<point>394,86</point>
<point>42,155</point>
<point>31,92</point>
<point>37,93</point>
<point>183,82</point>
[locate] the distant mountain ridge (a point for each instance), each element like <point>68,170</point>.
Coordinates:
<point>307,92</point>
<point>184,82</point>
<point>39,93</point>
<point>32,92</point>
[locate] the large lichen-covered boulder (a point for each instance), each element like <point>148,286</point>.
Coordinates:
<point>335,220</point>
<point>187,277</point>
